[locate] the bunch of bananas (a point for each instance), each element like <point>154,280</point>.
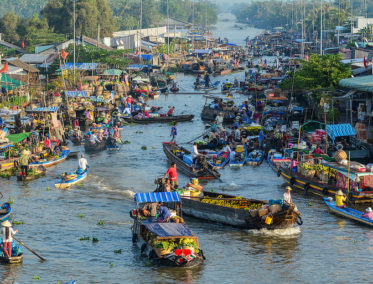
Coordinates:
<point>236,204</point>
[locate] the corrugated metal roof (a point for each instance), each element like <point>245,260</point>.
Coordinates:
<point>363,83</point>
<point>146,197</point>
<point>23,65</point>
<point>37,58</point>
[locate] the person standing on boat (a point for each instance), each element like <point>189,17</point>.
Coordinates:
<point>261,138</point>
<point>24,162</point>
<point>172,175</point>
<point>7,234</point>
<point>174,132</point>
<point>83,163</point>
<point>219,120</point>
<point>171,111</point>
<point>287,197</point>
<point>340,198</point>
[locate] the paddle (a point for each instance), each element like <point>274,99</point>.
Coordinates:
<point>53,175</point>
<point>22,243</point>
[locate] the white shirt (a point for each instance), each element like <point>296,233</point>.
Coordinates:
<point>287,198</point>
<point>11,233</point>
<point>83,163</point>
<point>227,149</point>
<point>94,139</point>
<point>232,155</point>
<point>237,134</point>
<point>219,121</point>
<point>195,151</point>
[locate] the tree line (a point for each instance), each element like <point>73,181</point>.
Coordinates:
<point>52,20</point>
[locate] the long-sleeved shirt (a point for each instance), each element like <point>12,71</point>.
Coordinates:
<point>368,215</point>
<point>3,235</point>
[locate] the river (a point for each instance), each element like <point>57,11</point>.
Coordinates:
<point>325,249</point>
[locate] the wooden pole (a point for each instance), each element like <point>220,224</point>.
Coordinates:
<point>41,258</point>
<point>348,173</point>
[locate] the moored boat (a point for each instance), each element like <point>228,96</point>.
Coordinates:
<point>184,161</point>
<point>255,158</point>
<point>51,161</point>
<point>219,160</point>
<point>161,119</point>
<point>5,211</point>
<point>239,212</point>
<point>165,243</point>
<point>68,180</point>
<point>348,213</point>
<point>240,157</point>
<point>33,173</point>
<point>93,148</point>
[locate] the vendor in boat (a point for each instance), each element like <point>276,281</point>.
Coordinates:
<point>261,138</point>
<point>24,162</point>
<point>116,132</point>
<point>149,209</point>
<point>47,143</point>
<point>111,141</point>
<point>93,139</point>
<point>164,215</point>
<point>172,175</point>
<point>173,132</point>
<point>83,163</point>
<point>77,133</point>
<point>7,234</point>
<point>219,120</point>
<point>171,111</point>
<point>340,198</point>
<point>368,214</point>
<point>213,126</point>
<point>100,135</point>
<point>318,151</point>
<point>287,197</point>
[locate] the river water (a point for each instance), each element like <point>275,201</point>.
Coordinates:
<point>325,249</point>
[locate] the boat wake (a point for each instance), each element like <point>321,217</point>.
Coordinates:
<point>102,185</point>
<point>277,232</point>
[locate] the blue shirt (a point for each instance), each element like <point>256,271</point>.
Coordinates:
<point>174,130</point>
<point>164,213</point>
<point>261,135</point>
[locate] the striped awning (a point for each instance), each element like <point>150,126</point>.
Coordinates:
<point>74,94</point>
<point>338,130</point>
<point>146,197</point>
<point>45,109</point>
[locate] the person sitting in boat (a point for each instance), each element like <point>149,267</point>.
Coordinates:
<point>149,209</point>
<point>213,140</point>
<point>196,83</point>
<point>318,151</point>
<point>236,84</point>
<point>47,144</point>
<point>287,197</point>
<point>368,214</point>
<point>171,111</point>
<point>77,133</point>
<point>7,234</point>
<point>164,215</point>
<point>237,134</point>
<point>207,80</point>
<point>111,141</point>
<point>232,154</point>
<point>93,139</point>
<point>213,126</point>
<point>340,198</point>
<point>172,175</point>
<point>100,135</point>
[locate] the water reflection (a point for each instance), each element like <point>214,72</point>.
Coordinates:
<point>10,273</point>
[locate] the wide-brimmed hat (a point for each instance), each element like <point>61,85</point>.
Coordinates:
<point>288,188</point>
<point>339,192</point>
<point>6,224</point>
<point>101,131</point>
<point>25,152</point>
<point>369,209</point>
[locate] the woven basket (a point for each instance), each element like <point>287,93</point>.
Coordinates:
<point>161,251</point>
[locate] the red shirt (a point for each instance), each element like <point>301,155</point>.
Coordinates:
<point>170,112</point>
<point>172,174</point>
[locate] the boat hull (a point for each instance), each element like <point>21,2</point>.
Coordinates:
<point>48,164</point>
<point>165,119</point>
<point>70,183</point>
<point>12,260</point>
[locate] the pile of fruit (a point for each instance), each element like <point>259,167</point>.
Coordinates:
<point>175,244</point>
<point>236,204</point>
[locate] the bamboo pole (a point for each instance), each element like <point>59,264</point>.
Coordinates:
<point>348,173</point>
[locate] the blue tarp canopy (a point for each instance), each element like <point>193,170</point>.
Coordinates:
<point>98,99</point>
<point>146,197</point>
<point>202,51</point>
<point>146,56</point>
<point>45,109</point>
<point>338,130</point>
<point>74,94</point>
<point>163,230</point>
<point>79,66</point>
<point>2,147</point>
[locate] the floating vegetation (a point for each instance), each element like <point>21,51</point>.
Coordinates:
<point>111,263</point>
<point>132,124</point>
<point>18,222</point>
<point>36,277</point>
<point>118,251</point>
<point>11,200</point>
<point>84,239</point>
<point>126,142</point>
<point>48,188</point>
<point>80,215</point>
<point>144,148</point>
<point>94,240</point>
<point>100,223</point>
<point>139,132</point>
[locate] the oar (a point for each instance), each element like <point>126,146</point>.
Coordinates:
<point>53,175</point>
<point>22,243</point>
<point>194,138</point>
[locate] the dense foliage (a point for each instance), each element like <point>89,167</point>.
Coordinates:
<point>319,72</point>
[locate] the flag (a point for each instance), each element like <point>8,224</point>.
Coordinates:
<point>64,54</point>
<point>5,68</point>
<point>365,63</point>
<point>23,44</point>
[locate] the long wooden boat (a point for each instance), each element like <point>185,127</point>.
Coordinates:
<point>161,119</point>
<point>71,179</point>
<point>32,174</point>
<point>93,148</point>
<point>166,244</point>
<point>255,158</point>
<point>212,206</point>
<point>183,159</point>
<point>50,163</point>
<point>348,213</point>
<point>240,158</point>
<point>220,160</point>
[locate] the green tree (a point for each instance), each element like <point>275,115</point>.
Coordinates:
<point>8,27</point>
<point>90,15</point>
<point>319,72</point>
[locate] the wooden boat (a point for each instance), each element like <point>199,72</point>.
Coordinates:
<point>93,148</point>
<point>349,213</point>
<point>5,211</point>
<point>168,244</point>
<point>211,87</point>
<point>77,141</point>
<point>209,112</point>
<point>32,174</point>
<point>255,158</point>
<point>161,119</point>
<point>71,179</point>
<point>222,72</point>
<point>53,161</point>
<point>113,148</point>
<point>241,156</point>
<point>183,159</point>
<point>17,255</point>
<point>206,207</point>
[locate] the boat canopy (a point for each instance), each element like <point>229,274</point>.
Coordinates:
<point>163,230</point>
<point>338,130</point>
<point>362,83</point>
<point>79,66</point>
<point>4,146</point>
<point>75,94</point>
<point>98,99</point>
<point>16,138</point>
<point>45,109</point>
<point>202,51</point>
<point>146,197</point>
